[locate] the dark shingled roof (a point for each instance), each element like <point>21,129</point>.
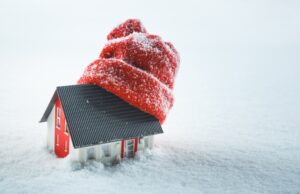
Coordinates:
<point>96,116</point>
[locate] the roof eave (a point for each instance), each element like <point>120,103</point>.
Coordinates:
<point>49,107</point>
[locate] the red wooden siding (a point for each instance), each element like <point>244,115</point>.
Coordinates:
<point>62,139</point>
<point>136,143</point>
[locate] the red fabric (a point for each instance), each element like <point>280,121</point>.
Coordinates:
<point>138,67</point>
<point>126,28</point>
<point>157,59</point>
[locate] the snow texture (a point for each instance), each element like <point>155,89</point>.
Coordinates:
<point>234,127</point>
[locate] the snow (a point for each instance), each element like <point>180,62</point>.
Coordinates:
<point>234,127</point>
<point>146,44</point>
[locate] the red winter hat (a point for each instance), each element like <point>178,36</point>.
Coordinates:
<point>138,67</point>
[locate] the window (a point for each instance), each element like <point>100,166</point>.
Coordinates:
<point>57,140</point>
<point>90,153</point>
<point>66,128</point>
<point>58,112</point>
<point>58,117</point>
<point>106,150</point>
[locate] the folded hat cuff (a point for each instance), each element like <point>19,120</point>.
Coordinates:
<point>133,85</point>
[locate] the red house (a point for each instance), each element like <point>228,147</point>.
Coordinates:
<point>87,122</point>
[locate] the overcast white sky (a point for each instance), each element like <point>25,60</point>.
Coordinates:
<point>248,48</point>
<point>235,123</point>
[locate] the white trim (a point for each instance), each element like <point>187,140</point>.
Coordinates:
<point>58,123</point>
<point>90,152</point>
<point>66,131</point>
<point>82,156</point>
<point>129,147</point>
<point>58,112</point>
<point>149,142</point>
<point>106,150</point>
<point>97,153</point>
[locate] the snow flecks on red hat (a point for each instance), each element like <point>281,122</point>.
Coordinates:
<point>138,67</point>
<point>126,28</point>
<point>147,52</point>
<point>131,84</point>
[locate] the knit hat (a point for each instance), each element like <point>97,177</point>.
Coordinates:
<point>138,67</point>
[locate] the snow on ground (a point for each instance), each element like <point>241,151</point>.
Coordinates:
<point>235,124</point>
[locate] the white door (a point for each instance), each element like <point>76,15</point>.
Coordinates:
<point>129,148</point>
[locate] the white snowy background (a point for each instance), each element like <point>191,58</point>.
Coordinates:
<point>235,126</point>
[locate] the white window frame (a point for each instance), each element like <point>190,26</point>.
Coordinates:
<point>58,124</point>
<point>91,153</point>
<point>106,150</point>
<point>66,128</point>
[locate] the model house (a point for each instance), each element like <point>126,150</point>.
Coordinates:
<point>88,122</point>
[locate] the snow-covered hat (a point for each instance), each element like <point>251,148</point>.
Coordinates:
<point>138,67</point>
